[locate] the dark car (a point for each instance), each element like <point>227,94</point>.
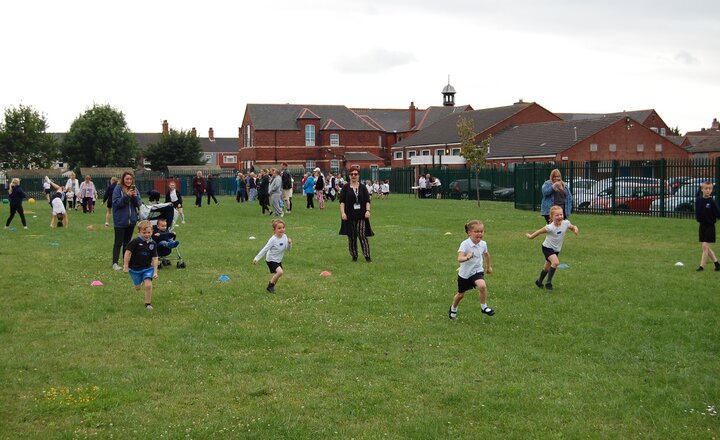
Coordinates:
<point>463,189</point>
<point>506,194</point>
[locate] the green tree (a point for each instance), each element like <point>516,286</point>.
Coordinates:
<point>23,140</point>
<point>473,153</point>
<point>675,131</point>
<point>175,148</point>
<point>100,137</point>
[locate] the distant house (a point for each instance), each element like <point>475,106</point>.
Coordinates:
<point>222,152</point>
<point>649,118</point>
<point>601,139</point>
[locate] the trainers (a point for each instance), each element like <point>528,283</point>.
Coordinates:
<point>699,269</point>
<point>539,284</point>
<point>548,286</point>
<point>116,267</point>
<point>451,314</point>
<point>488,311</point>
<point>270,288</point>
<point>148,307</point>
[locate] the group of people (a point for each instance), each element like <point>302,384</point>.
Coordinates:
<point>203,186</point>
<point>428,184</point>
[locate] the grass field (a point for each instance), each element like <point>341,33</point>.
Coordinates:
<point>626,346</point>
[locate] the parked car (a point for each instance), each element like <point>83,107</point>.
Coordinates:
<point>683,200</point>
<point>463,189</point>
<point>630,198</point>
<point>584,199</point>
<point>505,194</point>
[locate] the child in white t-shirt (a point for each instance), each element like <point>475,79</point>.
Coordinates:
<point>471,254</point>
<point>553,244</point>
<point>275,250</point>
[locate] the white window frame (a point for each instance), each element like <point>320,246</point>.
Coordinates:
<point>663,131</point>
<point>613,148</point>
<point>334,139</point>
<point>455,152</point>
<point>248,138</point>
<point>309,135</point>
<point>593,147</point>
<point>425,153</point>
<point>310,164</point>
<point>229,158</point>
<point>335,165</point>
<point>411,154</point>
<point>658,147</point>
<point>398,155</point>
<point>640,148</point>
<point>208,157</point>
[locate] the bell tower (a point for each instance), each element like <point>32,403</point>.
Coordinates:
<point>448,94</point>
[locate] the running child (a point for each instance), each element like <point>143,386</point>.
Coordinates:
<point>471,255</point>
<point>275,249</point>
<point>706,214</point>
<point>141,260</point>
<point>553,243</point>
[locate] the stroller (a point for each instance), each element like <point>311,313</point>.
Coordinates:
<point>166,211</point>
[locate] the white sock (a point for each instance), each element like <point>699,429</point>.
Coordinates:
<point>453,309</point>
<point>483,306</point>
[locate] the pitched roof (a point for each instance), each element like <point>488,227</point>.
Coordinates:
<point>544,138</point>
<point>357,156</point>
<point>704,144</point>
<point>398,120</point>
<point>638,115</point>
<point>285,116</point>
<point>220,145</point>
<point>444,131</point>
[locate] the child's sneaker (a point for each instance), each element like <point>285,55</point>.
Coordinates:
<point>451,314</point>
<point>116,267</point>
<point>548,286</point>
<point>488,311</point>
<point>539,284</point>
<point>148,307</point>
<point>270,288</point>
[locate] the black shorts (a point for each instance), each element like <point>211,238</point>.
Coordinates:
<point>707,233</point>
<point>547,252</point>
<point>177,204</point>
<point>273,266</point>
<point>465,284</point>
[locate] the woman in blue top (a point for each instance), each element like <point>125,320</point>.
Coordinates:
<point>309,187</point>
<point>125,204</point>
<point>555,193</point>
<point>16,196</point>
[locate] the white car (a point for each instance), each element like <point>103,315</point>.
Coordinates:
<point>684,198</point>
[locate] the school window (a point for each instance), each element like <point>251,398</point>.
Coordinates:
<point>455,152</point>
<point>425,152</point>
<point>208,158</point>
<point>309,135</point>
<point>309,164</point>
<point>334,140</point>
<point>248,142</point>
<point>640,148</point>
<point>411,154</point>
<point>229,158</point>
<point>335,165</point>
<point>658,147</point>
<point>398,155</point>
<point>663,131</point>
<point>593,147</point>
<point>613,147</point>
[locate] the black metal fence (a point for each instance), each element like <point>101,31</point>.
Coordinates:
<point>654,188</point>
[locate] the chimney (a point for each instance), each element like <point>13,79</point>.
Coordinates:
<point>194,132</point>
<point>166,128</point>
<point>239,132</point>
<point>715,125</point>
<point>211,134</point>
<point>411,110</point>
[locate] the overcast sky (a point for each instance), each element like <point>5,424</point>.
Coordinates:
<point>198,63</point>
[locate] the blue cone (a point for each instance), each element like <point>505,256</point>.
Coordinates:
<point>223,278</point>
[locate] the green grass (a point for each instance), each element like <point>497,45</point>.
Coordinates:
<point>626,346</point>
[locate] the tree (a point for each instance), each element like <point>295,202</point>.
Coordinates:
<point>474,154</point>
<point>100,137</point>
<point>23,141</point>
<point>675,131</point>
<point>175,148</point>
